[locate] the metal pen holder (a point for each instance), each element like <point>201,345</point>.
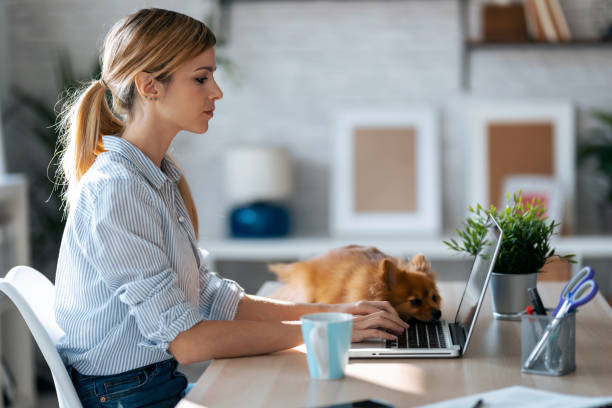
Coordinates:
<point>559,355</point>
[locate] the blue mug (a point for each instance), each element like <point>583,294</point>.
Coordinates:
<point>327,337</point>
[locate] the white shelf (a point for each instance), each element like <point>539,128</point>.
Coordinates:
<point>301,248</point>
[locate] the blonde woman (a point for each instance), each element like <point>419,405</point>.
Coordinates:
<point>134,295</point>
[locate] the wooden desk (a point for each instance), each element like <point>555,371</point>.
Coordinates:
<point>492,361</point>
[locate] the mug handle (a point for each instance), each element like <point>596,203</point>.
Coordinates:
<point>320,347</point>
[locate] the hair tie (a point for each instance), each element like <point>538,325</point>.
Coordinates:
<point>101,82</point>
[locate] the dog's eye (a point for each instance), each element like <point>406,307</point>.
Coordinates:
<point>415,302</point>
<point>434,298</point>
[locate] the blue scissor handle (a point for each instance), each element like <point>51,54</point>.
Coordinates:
<point>582,276</point>
<point>583,293</point>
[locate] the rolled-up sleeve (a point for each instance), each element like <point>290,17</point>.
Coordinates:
<point>219,298</point>
<point>124,242</point>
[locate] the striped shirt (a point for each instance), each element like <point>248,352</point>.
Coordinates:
<point>130,276</point>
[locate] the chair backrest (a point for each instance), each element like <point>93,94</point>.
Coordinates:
<point>34,295</point>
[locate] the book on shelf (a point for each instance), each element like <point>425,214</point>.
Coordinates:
<point>546,21</point>
<point>559,20</point>
<point>533,24</point>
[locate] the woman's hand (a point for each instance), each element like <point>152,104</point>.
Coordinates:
<point>372,318</point>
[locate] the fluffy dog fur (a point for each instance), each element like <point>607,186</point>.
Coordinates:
<point>354,272</point>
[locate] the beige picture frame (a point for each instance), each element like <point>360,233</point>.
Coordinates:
<point>386,176</point>
<point>513,138</point>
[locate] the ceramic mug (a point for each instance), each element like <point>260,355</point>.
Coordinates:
<point>327,337</point>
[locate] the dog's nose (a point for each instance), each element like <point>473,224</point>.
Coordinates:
<point>435,314</point>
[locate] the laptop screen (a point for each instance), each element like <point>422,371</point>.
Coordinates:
<point>477,282</point>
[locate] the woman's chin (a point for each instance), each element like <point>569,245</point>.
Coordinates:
<point>199,129</point>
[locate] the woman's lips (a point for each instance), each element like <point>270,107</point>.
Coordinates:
<point>209,113</point>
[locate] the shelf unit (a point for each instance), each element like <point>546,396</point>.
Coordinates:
<point>469,45</point>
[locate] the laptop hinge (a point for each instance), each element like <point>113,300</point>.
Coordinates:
<point>458,334</point>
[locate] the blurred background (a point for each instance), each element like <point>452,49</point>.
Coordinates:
<point>287,68</point>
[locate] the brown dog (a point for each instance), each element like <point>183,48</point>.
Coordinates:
<point>354,272</point>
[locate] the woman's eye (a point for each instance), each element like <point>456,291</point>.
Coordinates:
<point>415,302</point>
<point>201,80</point>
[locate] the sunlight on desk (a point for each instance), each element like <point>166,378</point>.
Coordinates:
<point>386,375</point>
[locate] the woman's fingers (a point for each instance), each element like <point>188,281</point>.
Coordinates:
<point>360,335</point>
<point>378,319</point>
<point>373,307</point>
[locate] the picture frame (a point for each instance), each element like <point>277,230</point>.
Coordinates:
<point>518,137</point>
<point>386,174</point>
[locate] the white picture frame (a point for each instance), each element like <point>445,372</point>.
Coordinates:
<point>485,118</point>
<point>422,216</point>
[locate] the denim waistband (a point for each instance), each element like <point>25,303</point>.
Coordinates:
<point>170,365</point>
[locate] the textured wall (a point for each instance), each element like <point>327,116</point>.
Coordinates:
<point>297,63</point>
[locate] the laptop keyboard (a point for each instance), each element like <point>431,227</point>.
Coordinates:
<point>419,335</point>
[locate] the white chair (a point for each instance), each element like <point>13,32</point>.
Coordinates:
<point>34,294</point>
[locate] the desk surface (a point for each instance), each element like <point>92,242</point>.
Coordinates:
<point>492,361</point>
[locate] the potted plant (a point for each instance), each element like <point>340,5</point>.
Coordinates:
<point>524,250</point>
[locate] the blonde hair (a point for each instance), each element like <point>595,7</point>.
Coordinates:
<point>151,40</point>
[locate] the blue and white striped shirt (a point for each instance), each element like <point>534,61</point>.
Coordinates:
<point>130,277</point>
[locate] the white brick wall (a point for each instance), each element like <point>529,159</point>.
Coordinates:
<point>298,63</point>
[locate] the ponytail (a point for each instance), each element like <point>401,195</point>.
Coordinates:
<point>84,119</point>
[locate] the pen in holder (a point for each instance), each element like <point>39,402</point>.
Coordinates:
<point>559,354</point>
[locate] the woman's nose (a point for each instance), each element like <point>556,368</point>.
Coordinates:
<point>217,94</point>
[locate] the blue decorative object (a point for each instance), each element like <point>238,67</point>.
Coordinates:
<point>259,220</point>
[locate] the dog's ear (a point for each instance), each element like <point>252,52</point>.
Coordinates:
<point>420,264</point>
<point>388,271</point>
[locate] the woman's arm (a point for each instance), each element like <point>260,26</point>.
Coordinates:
<point>266,309</point>
<point>212,339</point>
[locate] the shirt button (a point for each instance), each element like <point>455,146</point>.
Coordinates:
<point>181,219</point>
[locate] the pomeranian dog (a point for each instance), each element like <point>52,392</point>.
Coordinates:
<point>353,273</point>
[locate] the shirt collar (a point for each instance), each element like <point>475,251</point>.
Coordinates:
<point>155,175</point>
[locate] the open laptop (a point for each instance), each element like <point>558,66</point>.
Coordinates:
<point>440,338</point>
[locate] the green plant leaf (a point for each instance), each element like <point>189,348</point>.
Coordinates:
<point>527,233</point>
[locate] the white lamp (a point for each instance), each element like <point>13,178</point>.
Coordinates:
<point>257,179</point>
<point>258,174</point>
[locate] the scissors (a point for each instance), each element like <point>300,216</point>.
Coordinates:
<point>572,287</point>
<point>578,291</point>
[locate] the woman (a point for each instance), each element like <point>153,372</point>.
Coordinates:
<point>134,296</point>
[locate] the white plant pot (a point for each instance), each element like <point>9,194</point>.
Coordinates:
<point>509,294</point>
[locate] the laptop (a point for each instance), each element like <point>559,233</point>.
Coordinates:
<point>441,338</point>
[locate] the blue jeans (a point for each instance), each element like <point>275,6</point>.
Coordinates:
<point>157,385</point>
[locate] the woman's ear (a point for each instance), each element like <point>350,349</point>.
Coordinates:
<point>146,86</point>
